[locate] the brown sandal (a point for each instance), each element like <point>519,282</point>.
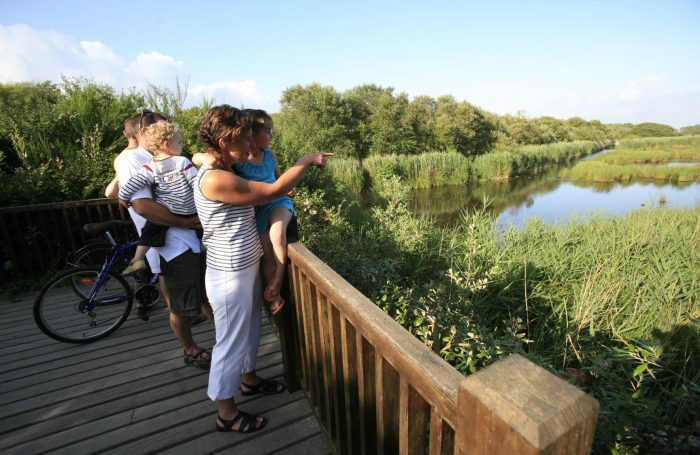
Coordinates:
<point>200,359</point>
<point>249,423</point>
<point>265,386</point>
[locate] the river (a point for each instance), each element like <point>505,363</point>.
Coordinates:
<point>550,199</point>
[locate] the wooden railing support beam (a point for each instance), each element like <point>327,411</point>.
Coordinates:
<point>516,407</point>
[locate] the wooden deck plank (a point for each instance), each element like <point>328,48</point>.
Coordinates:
<point>315,445</point>
<point>184,431</point>
<point>132,393</point>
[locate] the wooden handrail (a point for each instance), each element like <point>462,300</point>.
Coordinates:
<point>378,389</point>
<point>35,238</point>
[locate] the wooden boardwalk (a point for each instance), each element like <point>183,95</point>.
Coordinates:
<point>131,393</point>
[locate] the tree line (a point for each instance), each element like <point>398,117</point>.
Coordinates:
<point>57,141</point>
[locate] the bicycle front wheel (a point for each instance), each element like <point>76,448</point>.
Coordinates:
<point>64,311</point>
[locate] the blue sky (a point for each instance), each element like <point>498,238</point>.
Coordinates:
<point>615,61</point>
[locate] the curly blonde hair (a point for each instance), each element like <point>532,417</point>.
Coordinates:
<point>160,132</point>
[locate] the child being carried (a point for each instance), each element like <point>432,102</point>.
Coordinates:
<point>170,177</point>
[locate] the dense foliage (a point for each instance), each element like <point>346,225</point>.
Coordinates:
<point>647,129</point>
<point>610,304</point>
<point>693,129</point>
<point>57,142</point>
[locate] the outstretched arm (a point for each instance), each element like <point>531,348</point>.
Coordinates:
<point>232,189</point>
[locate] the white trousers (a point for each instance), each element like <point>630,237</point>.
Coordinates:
<point>235,299</point>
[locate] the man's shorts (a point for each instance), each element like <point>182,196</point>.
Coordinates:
<point>183,281</point>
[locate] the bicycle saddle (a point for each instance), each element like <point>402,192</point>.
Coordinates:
<point>99,228</point>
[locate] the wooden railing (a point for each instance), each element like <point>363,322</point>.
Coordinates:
<point>36,238</point>
<point>374,387</point>
<point>377,389</point>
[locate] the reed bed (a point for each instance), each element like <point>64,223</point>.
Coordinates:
<point>659,143</point>
<point>650,156</point>
<point>612,303</point>
<point>603,172</point>
<point>435,169</point>
<point>642,159</point>
<point>348,174</point>
<point>530,160</point>
<point>420,171</point>
<point>654,150</point>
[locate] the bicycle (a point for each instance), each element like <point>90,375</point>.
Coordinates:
<point>90,301</point>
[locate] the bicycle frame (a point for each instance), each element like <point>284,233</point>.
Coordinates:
<point>117,252</point>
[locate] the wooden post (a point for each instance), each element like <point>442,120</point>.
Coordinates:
<point>516,407</point>
<point>286,322</point>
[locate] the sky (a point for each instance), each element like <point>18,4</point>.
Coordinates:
<point>617,61</point>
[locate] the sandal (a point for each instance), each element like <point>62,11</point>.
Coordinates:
<point>249,423</point>
<point>200,359</point>
<point>265,386</point>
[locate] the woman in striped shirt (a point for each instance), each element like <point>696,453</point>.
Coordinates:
<point>225,206</point>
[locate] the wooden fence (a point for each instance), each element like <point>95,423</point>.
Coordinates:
<point>35,238</point>
<point>377,389</point>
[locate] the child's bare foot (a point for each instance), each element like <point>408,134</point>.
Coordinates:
<point>276,304</point>
<point>273,288</point>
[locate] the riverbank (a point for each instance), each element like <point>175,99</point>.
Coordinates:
<point>650,159</point>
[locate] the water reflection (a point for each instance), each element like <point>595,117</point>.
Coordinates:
<point>596,154</point>
<point>681,163</point>
<point>551,199</point>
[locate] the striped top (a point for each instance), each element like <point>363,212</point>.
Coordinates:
<point>230,234</point>
<point>171,180</point>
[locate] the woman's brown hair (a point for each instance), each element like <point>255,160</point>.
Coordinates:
<point>223,122</point>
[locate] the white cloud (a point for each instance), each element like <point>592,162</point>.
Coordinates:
<point>29,54</point>
<point>648,98</point>
<point>154,68</point>
<point>236,93</point>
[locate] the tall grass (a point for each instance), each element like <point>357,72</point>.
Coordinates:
<point>602,172</point>
<point>623,164</point>
<point>419,171</point>
<point>435,169</point>
<point>348,174</point>
<point>659,143</point>
<point>530,160</point>
<point>611,304</point>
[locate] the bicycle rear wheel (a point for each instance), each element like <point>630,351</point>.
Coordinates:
<point>64,311</point>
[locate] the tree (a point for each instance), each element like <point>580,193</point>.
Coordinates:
<point>313,118</point>
<point>649,129</point>
<point>463,128</point>
<point>388,129</point>
<point>688,130</point>
<point>421,118</point>
<point>593,130</point>
<point>362,101</point>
